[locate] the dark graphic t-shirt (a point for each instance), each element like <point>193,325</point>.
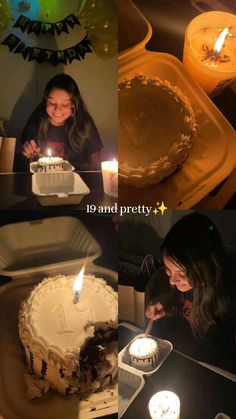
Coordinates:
<point>58,140</point>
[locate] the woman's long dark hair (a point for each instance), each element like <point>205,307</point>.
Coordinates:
<point>77,124</point>
<point>195,244</point>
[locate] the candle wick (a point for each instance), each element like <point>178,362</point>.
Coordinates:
<point>213,55</point>
<point>76,297</point>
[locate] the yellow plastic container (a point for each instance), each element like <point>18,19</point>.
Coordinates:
<point>213,156</point>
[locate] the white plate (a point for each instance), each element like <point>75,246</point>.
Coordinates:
<point>13,401</point>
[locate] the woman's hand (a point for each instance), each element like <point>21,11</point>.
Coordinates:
<point>30,149</point>
<point>155,311</point>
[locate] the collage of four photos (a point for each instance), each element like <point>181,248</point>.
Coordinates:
<point>118,209</point>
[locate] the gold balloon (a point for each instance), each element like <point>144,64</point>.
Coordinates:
<point>104,45</point>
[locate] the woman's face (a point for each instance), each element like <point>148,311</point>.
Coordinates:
<point>59,106</point>
<point>177,275</point>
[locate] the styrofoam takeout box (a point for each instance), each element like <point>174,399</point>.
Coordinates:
<point>131,380</point>
<point>67,167</point>
<point>213,156</point>
<point>48,246</point>
<point>29,252</point>
<point>59,188</point>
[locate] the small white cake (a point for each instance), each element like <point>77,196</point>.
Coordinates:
<point>157,129</point>
<point>72,346</point>
<point>50,164</point>
<point>144,353</point>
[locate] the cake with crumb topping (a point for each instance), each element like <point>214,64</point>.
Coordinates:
<point>71,346</point>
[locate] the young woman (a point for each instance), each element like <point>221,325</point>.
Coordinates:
<point>62,123</point>
<point>198,287</point>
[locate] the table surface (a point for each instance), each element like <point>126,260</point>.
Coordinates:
<point>202,392</point>
<point>16,193</point>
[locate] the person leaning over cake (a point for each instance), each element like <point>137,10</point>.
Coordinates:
<point>62,124</point>
<point>192,298</point>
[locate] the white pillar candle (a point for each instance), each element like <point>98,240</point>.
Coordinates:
<point>164,405</point>
<point>110,177</point>
<point>210,50</point>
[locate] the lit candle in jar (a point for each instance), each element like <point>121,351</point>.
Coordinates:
<point>77,286</point>
<point>210,50</point>
<point>110,177</point>
<point>164,405</point>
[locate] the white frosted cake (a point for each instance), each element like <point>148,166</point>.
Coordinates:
<point>50,164</point>
<point>144,353</point>
<point>156,130</point>
<point>73,347</point>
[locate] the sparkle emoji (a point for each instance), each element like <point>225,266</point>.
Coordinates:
<point>162,207</point>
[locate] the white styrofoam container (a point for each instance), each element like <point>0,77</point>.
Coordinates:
<point>130,385</point>
<point>213,156</point>
<point>67,167</point>
<point>165,348</point>
<point>62,244</point>
<point>131,380</point>
<point>49,246</point>
<point>59,188</point>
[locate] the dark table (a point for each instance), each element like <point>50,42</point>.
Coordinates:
<point>202,392</point>
<point>16,193</point>
<point>169,20</point>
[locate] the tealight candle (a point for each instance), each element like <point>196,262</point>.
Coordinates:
<point>110,177</point>
<point>164,405</point>
<point>210,50</point>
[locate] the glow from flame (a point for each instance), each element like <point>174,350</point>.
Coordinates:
<point>49,153</point>
<point>78,283</point>
<point>220,40</point>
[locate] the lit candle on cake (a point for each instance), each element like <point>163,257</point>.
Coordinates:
<point>49,154</point>
<point>77,285</point>
<point>210,50</point>
<point>110,177</point>
<point>164,405</point>
<point>144,352</point>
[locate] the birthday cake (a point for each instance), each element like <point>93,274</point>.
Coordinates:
<point>156,130</point>
<point>144,353</point>
<point>50,164</point>
<point>71,346</point>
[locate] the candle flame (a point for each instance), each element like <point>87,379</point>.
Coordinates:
<point>78,283</point>
<point>49,153</point>
<point>220,40</point>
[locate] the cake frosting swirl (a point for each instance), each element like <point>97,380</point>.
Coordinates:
<point>72,346</point>
<point>156,130</point>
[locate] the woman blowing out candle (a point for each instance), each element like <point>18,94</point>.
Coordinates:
<point>194,299</point>
<point>61,123</point>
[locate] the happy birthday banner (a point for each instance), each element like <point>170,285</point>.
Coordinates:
<point>42,55</point>
<point>34,26</point>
